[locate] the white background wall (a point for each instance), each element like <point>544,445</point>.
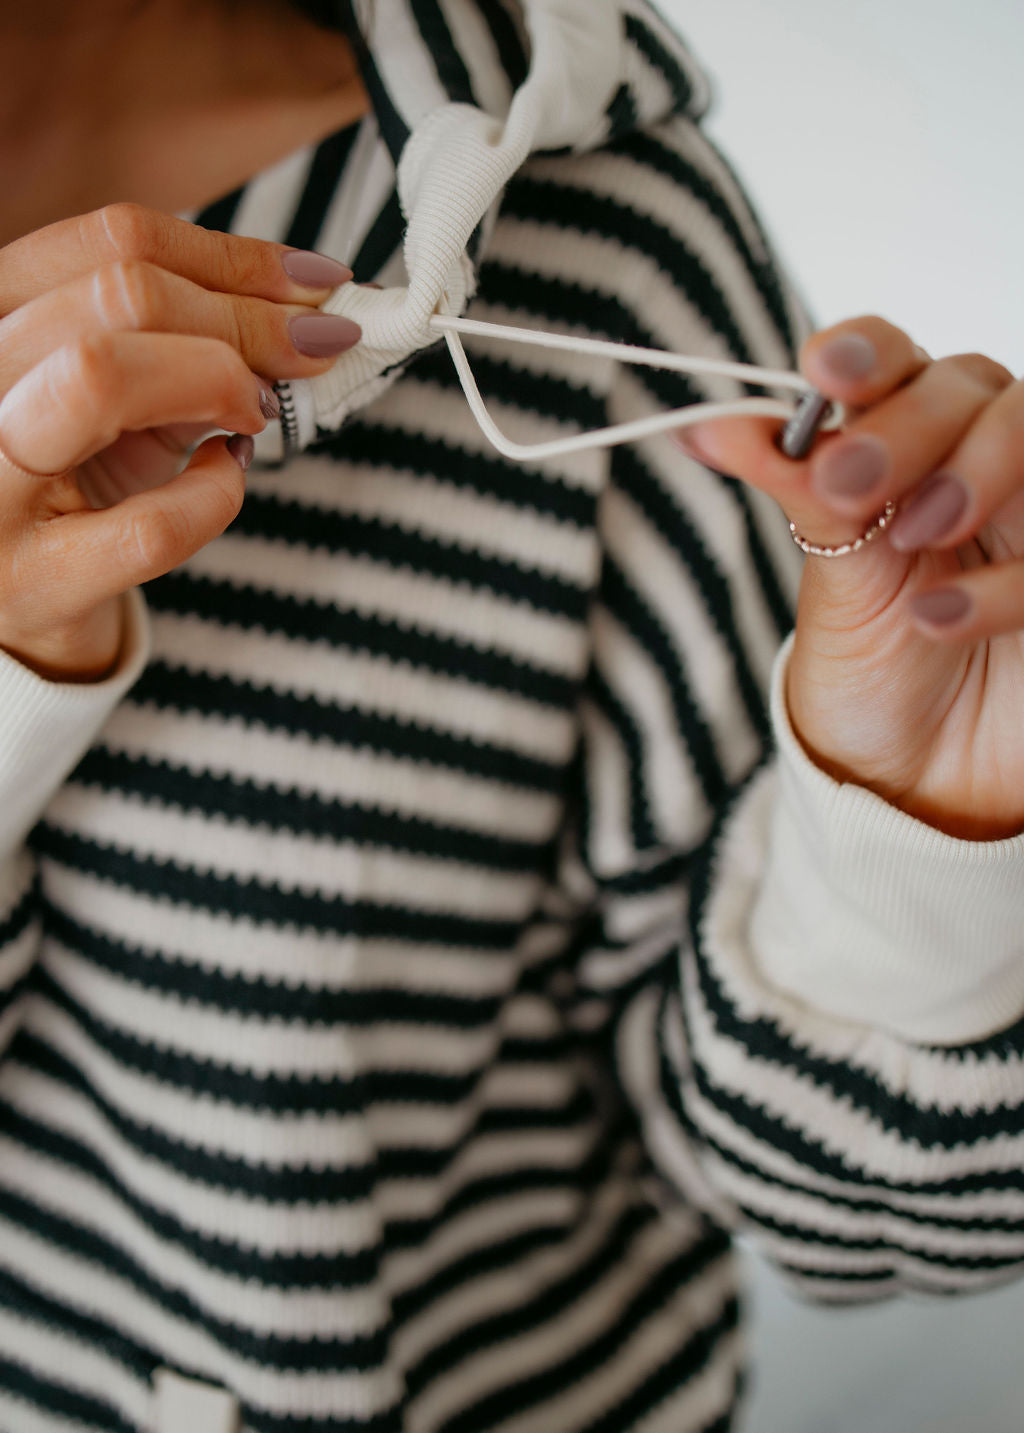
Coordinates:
<point>883,144</point>
<point>883,141</point>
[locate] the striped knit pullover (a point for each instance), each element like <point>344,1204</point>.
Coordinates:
<point>432,943</point>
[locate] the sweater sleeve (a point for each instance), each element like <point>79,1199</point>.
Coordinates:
<point>813,1003</point>
<point>45,727</point>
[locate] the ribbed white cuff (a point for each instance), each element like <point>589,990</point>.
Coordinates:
<point>45,727</point>
<point>870,915</point>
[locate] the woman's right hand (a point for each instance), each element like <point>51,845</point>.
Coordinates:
<point>125,334</point>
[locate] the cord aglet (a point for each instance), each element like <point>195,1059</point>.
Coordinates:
<point>799,433</point>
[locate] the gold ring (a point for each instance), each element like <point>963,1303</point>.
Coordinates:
<point>844,549</point>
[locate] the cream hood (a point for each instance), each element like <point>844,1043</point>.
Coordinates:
<point>461,103</point>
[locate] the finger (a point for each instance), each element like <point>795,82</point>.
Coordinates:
<point>982,474</point>
<point>230,263</point>
<point>888,449</point>
<point>132,295</point>
<point>988,602</point>
<point>82,396</point>
<point>860,360</point>
<point>137,461</point>
<point>100,554</point>
<point>881,454</point>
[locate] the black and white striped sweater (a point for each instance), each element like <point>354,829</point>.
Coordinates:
<point>407,975</point>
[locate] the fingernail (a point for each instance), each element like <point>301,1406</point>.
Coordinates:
<point>935,510</point>
<point>270,404</point>
<point>851,469</point>
<point>241,447</point>
<point>942,608</point>
<point>851,355</point>
<point>322,335</point>
<point>315,271</point>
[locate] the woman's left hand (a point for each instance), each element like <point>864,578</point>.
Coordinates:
<point>907,672</point>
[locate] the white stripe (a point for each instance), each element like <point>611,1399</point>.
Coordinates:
<point>270,199</point>
<point>314,866</point>
<point>845,1132</point>
<point>661,1335</point>
<point>333,771</point>
<point>403,60</point>
<point>267,1046</point>
<point>418,600</point>
<point>547,1342</point>
<point>716,518</point>
<point>668,588</point>
<point>89,1288</point>
<point>367,183</point>
<point>475,44</point>
<point>276,1227</point>
<point>372,684</point>
<point>335,1312</point>
<point>610,847</point>
<point>499,1291</point>
<point>320,961</point>
<point>267,1139</point>
<point>677,804</point>
<point>68,1363</point>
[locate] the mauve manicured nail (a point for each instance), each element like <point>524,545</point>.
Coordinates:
<point>241,447</point>
<point>852,469</point>
<point>936,509</point>
<point>942,608</point>
<point>849,356</point>
<point>322,335</point>
<point>315,271</point>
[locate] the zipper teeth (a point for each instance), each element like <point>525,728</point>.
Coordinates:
<point>288,420</point>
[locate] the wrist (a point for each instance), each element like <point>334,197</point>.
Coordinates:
<point>958,819</point>
<point>81,652</point>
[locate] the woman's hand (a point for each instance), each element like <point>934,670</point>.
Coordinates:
<point>907,673</point>
<point>125,335</point>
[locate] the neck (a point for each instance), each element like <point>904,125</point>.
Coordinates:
<point>133,89</point>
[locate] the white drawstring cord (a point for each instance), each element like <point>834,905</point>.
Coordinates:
<point>451,327</point>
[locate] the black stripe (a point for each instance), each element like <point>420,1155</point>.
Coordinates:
<point>666,517</point>
<point>302,812</point>
<point>534,1389</point>
<point>258,900</point>
<point>929,1127</point>
<point>258,998</point>
<point>270,1350</point>
<point>622,113</point>
<point>220,215</point>
<point>655,154</point>
<point>444,54</point>
<point>672,1377</point>
<point>622,721</point>
<point>393,129</point>
<point>395,546</point>
<point>336,1270</point>
<point>322,181</point>
<point>308,619</point>
<point>543,201</point>
<point>18,920</point>
<point>313,621</point>
<point>656,55</point>
<point>57,1398</point>
<point>511,54</point>
<point>486,473</point>
<point>175,689</point>
<point>274,1093</point>
<point>645,626</point>
<point>384,236</point>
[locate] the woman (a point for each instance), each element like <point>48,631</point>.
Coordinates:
<point>416,958</point>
